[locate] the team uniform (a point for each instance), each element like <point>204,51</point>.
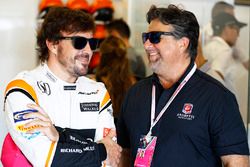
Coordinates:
<point>201,124</point>
<point>81,112</point>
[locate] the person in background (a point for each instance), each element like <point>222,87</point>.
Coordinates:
<point>207,31</point>
<point>205,66</point>
<point>113,70</point>
<point>55,115</point>
<point>220,52</point>
<point>102,11</point>
<point>179,116</point>
<point>220,6</point>
<point>120,29</point>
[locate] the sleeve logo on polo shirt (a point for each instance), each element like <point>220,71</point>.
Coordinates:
<point>187,110</point>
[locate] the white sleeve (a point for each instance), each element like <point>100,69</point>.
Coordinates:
<point>105,118</point>
<point>36,147</point>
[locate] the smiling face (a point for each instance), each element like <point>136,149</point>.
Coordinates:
<point>169,54</point>
<point>67,62</point>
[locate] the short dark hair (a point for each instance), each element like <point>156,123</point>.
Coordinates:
<point>120,26</point>
<point>219,7</point>
<point>61,19</point>
<point>184,23</point>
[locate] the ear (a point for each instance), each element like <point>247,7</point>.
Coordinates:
<point>183,43</point>
<point>52,46</point>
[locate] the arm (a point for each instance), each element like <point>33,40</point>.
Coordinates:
<point>17,95</point>
<point>37,147</point>
<point>228,134</point>
<point>235,160</point>
<point>69,140</point>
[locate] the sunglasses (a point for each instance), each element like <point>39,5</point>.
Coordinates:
<point>154,36</point>
<point>80,42</point>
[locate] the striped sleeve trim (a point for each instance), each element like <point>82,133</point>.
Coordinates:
<point>49,154</point>
<point>106,102</point>
<point>23,87</point>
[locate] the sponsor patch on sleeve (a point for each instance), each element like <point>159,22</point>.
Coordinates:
<point>20,121</point>
<point>18,116</point>
<point>106,131</point>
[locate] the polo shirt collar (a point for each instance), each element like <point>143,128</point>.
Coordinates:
<point>156,80</point>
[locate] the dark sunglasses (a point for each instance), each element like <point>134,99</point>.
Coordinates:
<point>154,36</point>
<point>80,42</point>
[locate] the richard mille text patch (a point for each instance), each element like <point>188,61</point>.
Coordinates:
<point>92,106</point>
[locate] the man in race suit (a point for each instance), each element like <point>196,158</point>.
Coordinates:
<point>79,109</point>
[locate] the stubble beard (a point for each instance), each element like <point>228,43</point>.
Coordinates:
<point>154,66</point>
<point>78,72</point>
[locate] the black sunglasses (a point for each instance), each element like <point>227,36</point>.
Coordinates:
<point>154,36</point>
<point>80,42</point>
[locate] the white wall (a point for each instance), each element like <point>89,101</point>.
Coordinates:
<point>17,43</point>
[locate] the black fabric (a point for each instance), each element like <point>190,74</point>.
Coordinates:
<point>213,128</point>
<point>77,147</point>
<point>18,90</point>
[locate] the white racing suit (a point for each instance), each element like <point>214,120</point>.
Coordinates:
<point>82,113</point>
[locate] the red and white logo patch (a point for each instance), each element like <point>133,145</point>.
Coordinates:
<point>187,108</point>
<point>106,131</point>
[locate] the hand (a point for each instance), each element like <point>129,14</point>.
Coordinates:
<point>42,122</point>
<point>112,148</point>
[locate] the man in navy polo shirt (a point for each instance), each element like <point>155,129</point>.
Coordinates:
<point>179,116</point>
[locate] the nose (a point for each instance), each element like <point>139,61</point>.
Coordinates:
<point>87,50</point>
<point>87,47</point>
<point>147,44</point>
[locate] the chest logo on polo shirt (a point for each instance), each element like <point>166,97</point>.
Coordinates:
<point>187,108</point>
<point>186,112</point>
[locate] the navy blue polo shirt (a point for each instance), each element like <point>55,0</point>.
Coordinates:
<point>201,124</point>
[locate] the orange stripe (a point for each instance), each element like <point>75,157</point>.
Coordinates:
<point>24,85</point>
<point>49,154</point>
<point>106,99</point>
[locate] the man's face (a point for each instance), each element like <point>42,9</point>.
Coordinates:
<point>164,57</point>
<point>231,34</point>
<point>71,60</point>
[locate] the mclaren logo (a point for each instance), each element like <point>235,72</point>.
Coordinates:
<point>44,87</point>
<point>89,93</point>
